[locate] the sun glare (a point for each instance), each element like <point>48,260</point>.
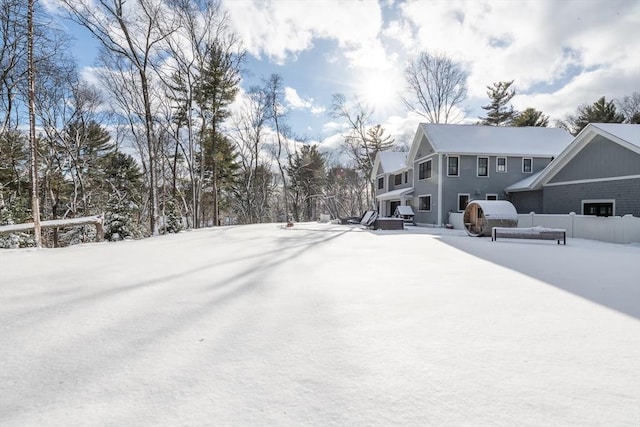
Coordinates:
<point>379,90</point>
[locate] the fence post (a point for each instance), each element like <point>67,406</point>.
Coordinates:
<point>572,219</point>
<point>532,214</point>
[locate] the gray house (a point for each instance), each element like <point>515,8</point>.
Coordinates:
<point>393,179</point>
<point>453,164</point>
<point>597,174</point>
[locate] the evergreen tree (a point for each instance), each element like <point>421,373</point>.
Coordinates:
<point>499,111</point>
<point>173,217</point>
<point>600,111</point>
<point>123,179</point>
<point>216,90</point>
<point>118,221</point>
<point>530,117</point>
<point>86,146</point>
<point>14,174</point>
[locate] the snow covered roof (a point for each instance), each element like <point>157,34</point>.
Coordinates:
<point>395,194</point>
<point>496,140</point>
<point>392,161</point>
<point>388,162</point>
<point>523,185</point>
<point>626,132</point>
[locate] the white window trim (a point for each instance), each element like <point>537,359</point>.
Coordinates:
<point>430,203</point>
<point>427,157</point>
<point>587,201</point>
<point>377,182</point>
<point>478,167</point>
<point>527,158</point>
<point>426,161</point>
<point>505,165</point>
<point>458,200</point>
<point>486,196</point>
<point>457,157</point>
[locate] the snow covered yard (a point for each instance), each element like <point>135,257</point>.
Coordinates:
<point>321,324</point>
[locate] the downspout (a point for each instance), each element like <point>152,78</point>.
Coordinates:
<point>440,187</point>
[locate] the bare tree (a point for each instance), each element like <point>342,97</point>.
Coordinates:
<point>35,207</point>
<point>437,87</point>
<point>13,57</point>
<point>629,106</point>
<point>274,92</point>
<point>363,141</point>
<point>133,32</point>
<point>254,187</point>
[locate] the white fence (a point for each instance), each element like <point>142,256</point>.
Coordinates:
<point>614,229</point>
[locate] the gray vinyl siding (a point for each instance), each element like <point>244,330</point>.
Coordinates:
<point>424,149</point>
<point>408,184</point>
<point>527,201</point>
<point>562,199</point>
<point>423,187</point>
<point>479,187</point>
<point>601,158</point>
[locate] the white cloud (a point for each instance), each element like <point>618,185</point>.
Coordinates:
<point>294,101</point>
<point>532,42</point>
<point>280,29</point>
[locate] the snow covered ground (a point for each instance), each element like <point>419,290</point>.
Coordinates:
<point>322,325</point>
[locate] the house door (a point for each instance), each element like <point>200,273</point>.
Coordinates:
<point>393,205</point>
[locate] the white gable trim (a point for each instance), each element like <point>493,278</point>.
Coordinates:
<point>587,181</point>
<point>417,139</point>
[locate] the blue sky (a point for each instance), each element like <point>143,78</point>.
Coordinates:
<point>561,54</point>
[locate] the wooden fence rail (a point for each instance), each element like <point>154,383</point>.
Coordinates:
<point>55,223</point>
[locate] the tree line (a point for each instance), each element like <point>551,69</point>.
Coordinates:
<point>155,146</point>
<point>437,90</point>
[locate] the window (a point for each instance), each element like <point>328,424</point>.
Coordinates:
<point>424,170</point>
<point>527,165</point>
<point>424,203</point>
<point>406,177</point>
<point>491,197</point>
<point>452,166</point>
<point>501,164</point>
<point>483,166</point>
<point>463,201</point>
<point>598,207</point>
<point>380,183</point>
<point>397,180</point>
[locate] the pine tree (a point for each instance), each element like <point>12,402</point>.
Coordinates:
<point>499,111</point>
<point>216,90</point>
<point>173,217</point>
<point>118,220</point>
<point>600,111</point>
<point>123,179</point>
<point>530,117</point>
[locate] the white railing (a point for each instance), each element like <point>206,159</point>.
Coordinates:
<point>614,229</point>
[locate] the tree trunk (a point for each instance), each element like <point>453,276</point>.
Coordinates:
<point>35,207</point>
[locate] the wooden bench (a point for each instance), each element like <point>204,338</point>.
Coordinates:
<point>539,233</point>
